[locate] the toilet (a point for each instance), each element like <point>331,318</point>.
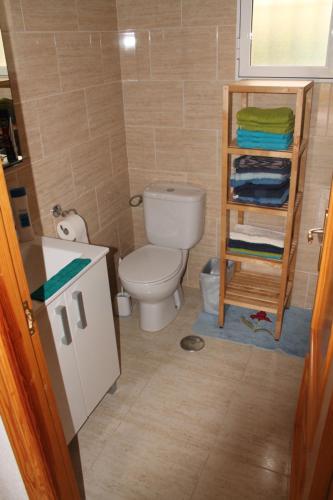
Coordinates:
<point>174,216</point>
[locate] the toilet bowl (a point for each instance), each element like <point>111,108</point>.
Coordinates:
<point>151,275</point>
<point>174,215</point>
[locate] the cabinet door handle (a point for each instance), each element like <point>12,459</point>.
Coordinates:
<point>67,337</point>
<point>78,297</point>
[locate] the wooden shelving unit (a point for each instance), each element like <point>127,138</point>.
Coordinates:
<point>264,291</point>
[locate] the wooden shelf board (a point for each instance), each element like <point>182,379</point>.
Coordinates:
<point>269,86</point>
<point>4,83</point>
<point>261,209</point>
<point>234,149</point>
<point>256,291</point>
<point>247,207</point>
<point>250,259</point>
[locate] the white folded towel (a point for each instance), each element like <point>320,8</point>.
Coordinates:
<point>253,234</point>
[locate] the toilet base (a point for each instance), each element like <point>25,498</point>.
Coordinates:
<point>154,317</point>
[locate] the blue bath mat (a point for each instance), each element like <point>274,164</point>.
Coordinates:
<point>240,327</point>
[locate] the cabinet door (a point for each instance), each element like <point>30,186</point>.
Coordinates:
<point>58,347</point>
<point>93,333</point>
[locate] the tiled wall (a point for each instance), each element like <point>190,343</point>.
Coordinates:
<point>64,68</point>
<point>175,57</point>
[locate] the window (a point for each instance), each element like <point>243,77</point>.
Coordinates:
<point>285,38</point>
<point>3,64</point>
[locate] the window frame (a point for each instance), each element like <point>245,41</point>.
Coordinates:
<point>243,45</point>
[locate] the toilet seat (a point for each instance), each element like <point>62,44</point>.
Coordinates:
<point>151,264</point>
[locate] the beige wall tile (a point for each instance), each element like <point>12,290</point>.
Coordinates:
<point>319,163</point>
<point>86,206</point>
<point>299,289</point>
<point>140,238</point>
<point>110,57</point>
<point>45,226</point>
<point>211,184</point>
<point>187,54</point>
<point>226,52</point>
<point>63,121</point>
<point>203,104</point>
<point>320,108</point>
<point>104,107</point>
<point>194,267</point>
<point>153,104</point>
<point>207,246</point>
<point>125,231</point>
<point>11,15</point>
<point>112,198</point>
<point>330,116</point>
<point>135,55</point>
<point>186,150</point>
<point>25,178</point>
<point>79,59</point>
<point>91,164</point>
<point>311,291</point>
<point>35,71</point>
<point>108,236</point>
<point>29,130</point>
<point>53,182</point>
<point>99,15</point>
<point>140,147</point>
<point>141,178</point>
<point>118,150</point>
<point>148,13</point>
<point>307,255</point>
<point>49,15</point>
<point>205,12</point>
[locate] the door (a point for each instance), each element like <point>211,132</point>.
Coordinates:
<point>312,459</point>
<point>92,327</point>
<point>27,404</point>
<point>59,351</point>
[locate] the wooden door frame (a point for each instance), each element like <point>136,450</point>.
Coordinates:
<point>27,403</point>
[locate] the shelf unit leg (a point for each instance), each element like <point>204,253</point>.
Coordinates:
<point>278,323</point>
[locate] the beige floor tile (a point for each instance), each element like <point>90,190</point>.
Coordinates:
<point>228,479</point>
<point>258,428</point>
<point>216,424</point>
<point>147,464</point>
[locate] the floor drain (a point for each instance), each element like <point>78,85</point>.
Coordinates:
<point>192,343</point>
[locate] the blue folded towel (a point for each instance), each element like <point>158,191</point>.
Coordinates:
<point>269,202</point>
<point>271,182</point>
<point>263,140</point>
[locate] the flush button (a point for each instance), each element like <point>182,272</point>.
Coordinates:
<point>170,190</point>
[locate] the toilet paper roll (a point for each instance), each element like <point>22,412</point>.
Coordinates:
<point>73,228</point>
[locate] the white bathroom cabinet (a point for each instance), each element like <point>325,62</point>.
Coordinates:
<point>78,337</point>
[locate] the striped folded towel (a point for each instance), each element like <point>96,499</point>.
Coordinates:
<point>254,234</point>
<point>261,164</point>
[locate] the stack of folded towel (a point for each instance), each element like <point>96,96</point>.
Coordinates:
<point>265,128</point>
<point>256,241</point>
<point>260,180</point>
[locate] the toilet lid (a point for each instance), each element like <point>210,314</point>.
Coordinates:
<point>150,264</point>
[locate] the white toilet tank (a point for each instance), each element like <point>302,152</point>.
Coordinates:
<point>174,214</point>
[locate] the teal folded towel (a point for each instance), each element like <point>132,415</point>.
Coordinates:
<point>263,140</point>
<point>263,136</point>
<point>51,286</point>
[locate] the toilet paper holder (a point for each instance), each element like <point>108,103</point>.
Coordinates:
<point>57,211</point>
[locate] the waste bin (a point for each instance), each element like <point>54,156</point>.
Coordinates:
<point>210,284</point>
